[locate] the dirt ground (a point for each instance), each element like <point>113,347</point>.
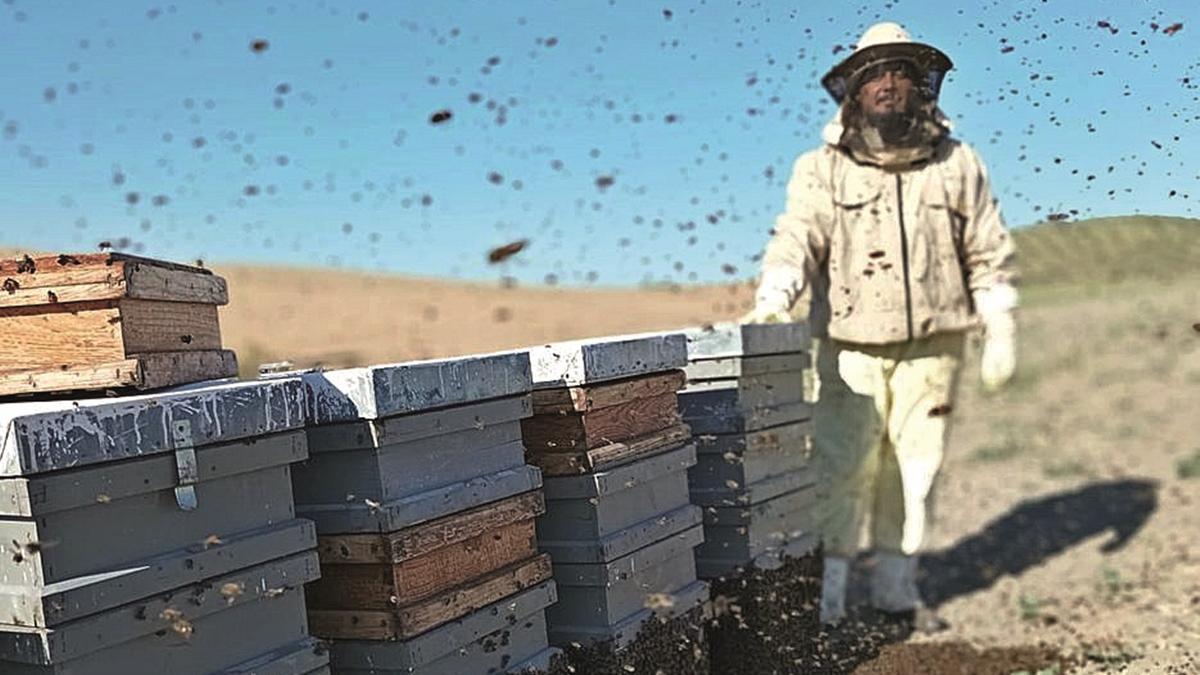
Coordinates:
<point>1066,538</point>
<point>1067,512</point>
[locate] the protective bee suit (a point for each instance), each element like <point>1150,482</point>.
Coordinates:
<point>892,244</point>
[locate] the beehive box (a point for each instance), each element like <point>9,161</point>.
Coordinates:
<point>397,445</point>
<point>746,399</point>
<point>128,516</point>
<point>618,523</point>
<point>108,321</point>
<point>405,583</point>
<point>424,507</point>
<point>744,379</point>
<point>666,639</point>
<point>593,506</point>
<point>730,461</point>
<point>506,636</point>
<point>597,597</point>
<point>587,428</point>
<point>737,536</point>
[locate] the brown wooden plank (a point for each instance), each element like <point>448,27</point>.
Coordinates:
<point>168,369</point>
<point>70,278</point>
<point>415,619</point>
<point>593,397</point>
<point>610,455</point>
<point>114,375</point>
<point>153,281</point>
<point>49,272</point>
<point>57,336</point>
<point>439,570</point>
<point>571,432</point>
<point>25,296</point>
<point>150,326</point>
<point>140,372</point>
<point>385,586</point>
<point>79,261</point>
<point>451,605</point>
<point>421,539</point>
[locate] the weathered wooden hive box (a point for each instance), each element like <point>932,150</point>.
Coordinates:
<point>425,513</point>
<point>155,533</point>
<point>746,401</point>
<point>108,321</point>
<point>618,525</point>
<point>747,398</point>
<point>481,642</point>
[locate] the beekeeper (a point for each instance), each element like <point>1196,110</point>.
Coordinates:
<point>892,244</point>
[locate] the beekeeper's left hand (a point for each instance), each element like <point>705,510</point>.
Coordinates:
<point>999,359</point>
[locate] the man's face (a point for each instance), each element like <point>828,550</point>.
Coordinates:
<point>887,90</point>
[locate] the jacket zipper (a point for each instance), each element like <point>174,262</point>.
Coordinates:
<point>904,255</point>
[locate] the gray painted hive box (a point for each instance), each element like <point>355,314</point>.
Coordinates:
<point>594,506</point>
<point>508,636</point>
<point>393,446</point>
<point>742,395</point>
<point>376,392</point>
<point>110,500</point>
<point>746,378</point>
<point>734,494</point>
<point>723,417</point>
<point>579,362</point>
<point>730,340</point>
<point>625,633</point>
<point>740,535</point>
<point>596,596</point>
<point>734,460</point>
<point>229,639</point>
<point>249,621</point>
<point>622,543</point>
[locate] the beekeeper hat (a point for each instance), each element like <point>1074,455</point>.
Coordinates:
<point>882,43</point>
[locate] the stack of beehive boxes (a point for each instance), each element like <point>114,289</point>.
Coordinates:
<point>618,524</point>
<point>425,513</point>
<point>155,534</point>
<point>746,401</point>
<point>89,322</point>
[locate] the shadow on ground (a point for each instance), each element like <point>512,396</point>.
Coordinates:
<point>1024,537</point>
<point>1035,530</point>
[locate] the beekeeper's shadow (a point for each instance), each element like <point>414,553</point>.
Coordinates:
<point>1035,530</point>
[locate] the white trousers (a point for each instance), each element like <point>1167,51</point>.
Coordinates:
<point>879,430</point>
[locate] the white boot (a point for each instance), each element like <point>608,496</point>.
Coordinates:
<point>894,590</point>
<point>894,583</point>
<point>833,589</point>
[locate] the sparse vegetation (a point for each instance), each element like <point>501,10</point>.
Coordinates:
<point>1029,607</point>
<point>1066,468</point>
<point>1188,467</point>
<point>997,451</point>
<point>1108,250</point>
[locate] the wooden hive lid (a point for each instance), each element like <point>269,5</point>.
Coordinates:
<point>380,391</point>
<point>580,362</point>
<point>62,278</point>
<point>40,436</point>
<point>729,340</point>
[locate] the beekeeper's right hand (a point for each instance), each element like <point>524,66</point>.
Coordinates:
<point>776,293</point>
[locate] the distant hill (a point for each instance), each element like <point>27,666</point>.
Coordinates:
<point>1103,250</point>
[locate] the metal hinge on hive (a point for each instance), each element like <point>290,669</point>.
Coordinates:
<point>185,464</point>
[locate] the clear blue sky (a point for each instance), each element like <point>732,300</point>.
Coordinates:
<point>318,149</point>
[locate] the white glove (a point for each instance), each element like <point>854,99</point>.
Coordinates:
<point>776,292</point>
<point>999,359</point>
